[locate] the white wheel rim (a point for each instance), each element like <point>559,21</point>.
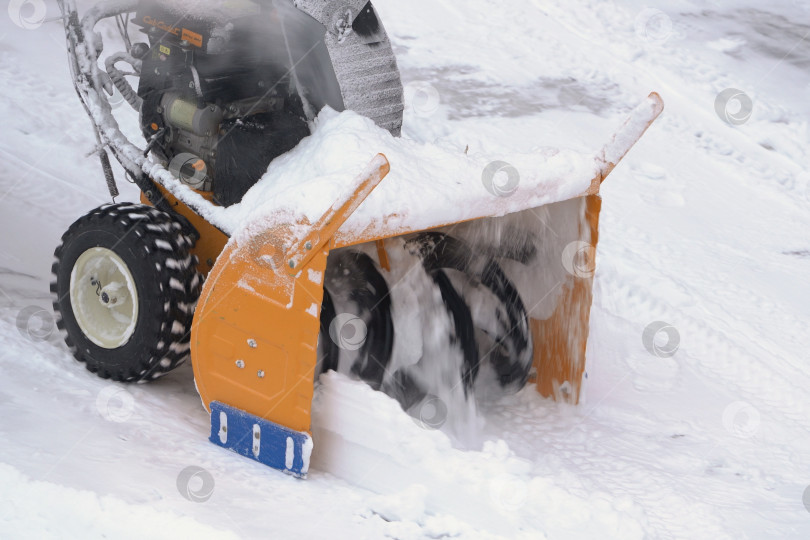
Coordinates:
<point>104,298</point>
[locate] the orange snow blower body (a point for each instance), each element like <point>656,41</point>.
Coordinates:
<point>256,328</point>
<point>204,98</point>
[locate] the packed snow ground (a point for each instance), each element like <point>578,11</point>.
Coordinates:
<point>704,227</point>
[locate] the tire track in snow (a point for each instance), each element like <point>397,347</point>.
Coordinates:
<point>24,182</point>
<point>713,353</point>
<point>670,67</point>
<point>623,467</point>
<point>724,303</point>
<point>46,130</point>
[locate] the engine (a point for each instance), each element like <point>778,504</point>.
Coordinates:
<point>229,89</point>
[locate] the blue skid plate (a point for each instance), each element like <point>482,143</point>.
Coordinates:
<point>260,439</point>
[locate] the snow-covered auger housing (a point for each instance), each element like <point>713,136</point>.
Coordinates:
<point>475,282</point>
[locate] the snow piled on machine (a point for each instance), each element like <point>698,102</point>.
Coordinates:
<point>429,184</point>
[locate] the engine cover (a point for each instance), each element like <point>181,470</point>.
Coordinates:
<point>234,85</point>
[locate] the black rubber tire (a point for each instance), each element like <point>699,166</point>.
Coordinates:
<point>155,247</point>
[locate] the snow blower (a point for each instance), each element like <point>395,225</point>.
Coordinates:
<point>474,290</point>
